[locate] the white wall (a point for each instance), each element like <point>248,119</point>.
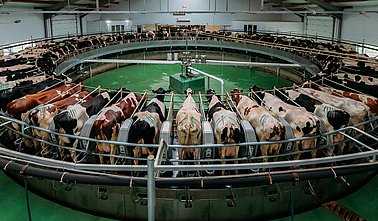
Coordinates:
<point>31,26</point>
<point>319,26</point>
<point>96,23</point>
<point>271,26</point>
<point>361,27</point>
<point>65,25</point>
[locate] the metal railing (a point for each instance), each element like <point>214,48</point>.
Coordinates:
<point>367,152</point>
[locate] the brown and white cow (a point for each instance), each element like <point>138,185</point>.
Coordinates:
<point>189,129</point>
<point>357,110</point>
<point>225,125</point>
<point>43,115</point>
<point>147,123</point>
<point>368,100</point>
<point>71,120</point>
<point>303,123</point>
<point>368,80</point>
<point>107,124</point>
<point>18,107</point>
<point>265,123</point>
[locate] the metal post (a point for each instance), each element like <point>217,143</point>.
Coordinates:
<point>27,197</point>
<point>292,202</point>
<point>151,188</point>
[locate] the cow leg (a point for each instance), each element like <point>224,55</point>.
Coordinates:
<point>73,152</point>
<point>276,150</point>
<point>264,152</point>
<point>297,148</point>
<point>331,146</point>
<point>136,152</point>
<point>45,146</point>
<point>341,145</point>
<point>112,153</point>
<point>37,146</point>
<point>313,146</point>
<point>223,156</point>
<point>197,152</point>
<point>180,158</point>
<point>101,157</point>
<point>236,156</point>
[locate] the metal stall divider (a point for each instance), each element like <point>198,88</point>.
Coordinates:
<point>123,136</point>
<point>86,132</point>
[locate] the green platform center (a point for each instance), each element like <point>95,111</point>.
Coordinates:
<point>180,83</point>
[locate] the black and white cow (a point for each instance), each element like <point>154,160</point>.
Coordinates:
<point>71,120</point>
<point>334,118</point>
<point>146,124</point>
<point>225,125</point>
<point>303,123</point>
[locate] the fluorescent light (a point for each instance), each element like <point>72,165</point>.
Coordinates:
<point>107,22</point>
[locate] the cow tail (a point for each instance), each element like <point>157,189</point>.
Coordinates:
<point>187,136</point>
<point>141,141</point>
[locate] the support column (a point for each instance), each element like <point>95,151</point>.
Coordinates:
<point>151,188</point>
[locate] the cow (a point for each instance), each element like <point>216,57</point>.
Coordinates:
<point>18,107</point>
<point>265,122</point>
<point>146,124</point>
<point>368,100</point>
<point>107,124</point>
<point>12,84</point>
<point>333,118</point>
<point>357,110</point>
<point>343,83</point>
<point>189,129</point>
<point>71,120</point>
<point>9,95</point>
<point>226,127</point>
<point>302,122</point>
<point>43,115</point>
<point>150,35</point>
<point>359,78</point>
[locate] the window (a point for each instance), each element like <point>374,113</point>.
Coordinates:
<point>118,28</point>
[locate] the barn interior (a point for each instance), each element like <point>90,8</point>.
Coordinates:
<point>316,48</point>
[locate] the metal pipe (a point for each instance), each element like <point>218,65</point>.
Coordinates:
<point>151,188</point>
<point>245,180</point>
<point>213,77</point>
<point>27,198</point>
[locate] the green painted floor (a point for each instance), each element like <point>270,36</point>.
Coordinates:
<point>140,78</point>
<point>13,206</point>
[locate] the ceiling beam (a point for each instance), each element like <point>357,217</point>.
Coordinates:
<point>281,4</point>
<point>60,5</point>
<point>328,7</point>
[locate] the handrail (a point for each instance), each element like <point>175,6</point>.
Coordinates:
<point>17,156</point>
<point>354,127</point>
<point>213,77</point>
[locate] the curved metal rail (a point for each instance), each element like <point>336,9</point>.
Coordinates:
<point>366,152</point>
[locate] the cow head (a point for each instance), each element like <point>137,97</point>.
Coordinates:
<point>257,94</point>
<point>236,95</point>
<point>160,92</point>
<point>283,95</point>
<point>338,118</point>
<point>209,94</point>
<point>189,91</point>
<point>64,123</point>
